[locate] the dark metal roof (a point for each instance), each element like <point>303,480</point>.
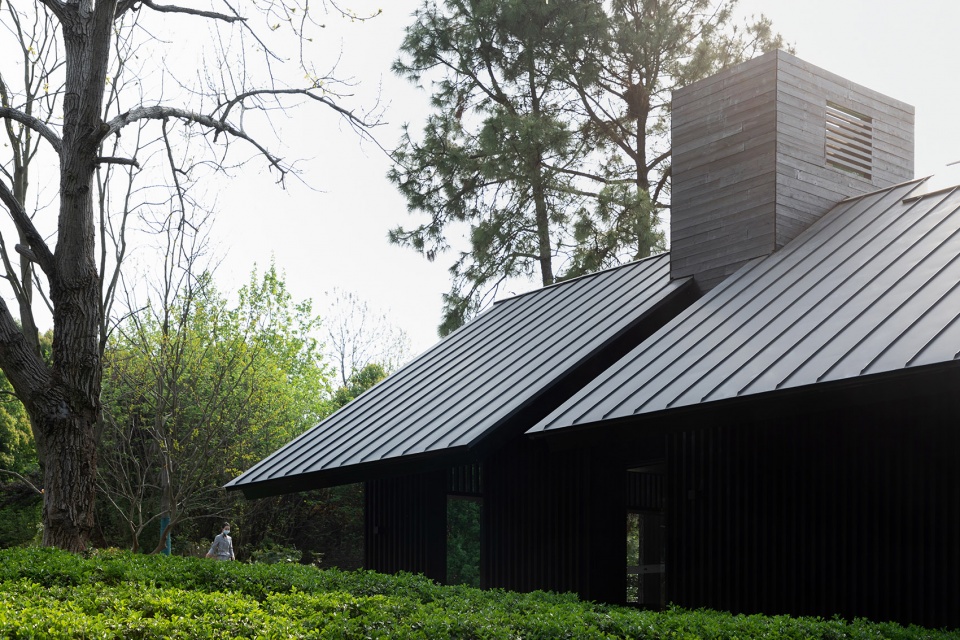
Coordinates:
<point>476,380</point>
<point>872,288</point>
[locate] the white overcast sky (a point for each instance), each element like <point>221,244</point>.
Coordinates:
<point>336,236</point>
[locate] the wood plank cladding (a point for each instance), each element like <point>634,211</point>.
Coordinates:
<point>764,149</point>
<point>553,521</point>
<point>465,480</point>
<point>405,524</point>
<point>855,512</point>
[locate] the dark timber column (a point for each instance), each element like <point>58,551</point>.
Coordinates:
<point>554,521</point>
<point>405,525</point>
<point>606,531</point>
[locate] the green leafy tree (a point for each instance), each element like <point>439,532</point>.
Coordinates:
<point>20,499</point>
<point>197,391</point>
<point>500,152</point>
<point>358,382</point>
<point>463,541</point>
<point>325,524</point>
<point>17,452</point>
<point>548,139</point>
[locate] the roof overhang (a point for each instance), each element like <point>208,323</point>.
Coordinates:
<point>513,424</point>
<point>420,463</point>
<point>924,384</point>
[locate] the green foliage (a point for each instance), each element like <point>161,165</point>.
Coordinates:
<point>198,391</point>
<point>500,153</point>
<point>18,452</point>
<point>52,594</point>
<point>19,522</point>
<point>549,136</point>
<point>274,553</point>
<point>463,541</point>
<point>358,382</point>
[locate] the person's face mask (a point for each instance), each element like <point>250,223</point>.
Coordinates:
<point>226,531</point>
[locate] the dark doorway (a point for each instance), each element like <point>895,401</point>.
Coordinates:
<point>646,539</point>
<point>463,540</point>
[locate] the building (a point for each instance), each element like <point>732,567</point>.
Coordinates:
<point>768,411</point>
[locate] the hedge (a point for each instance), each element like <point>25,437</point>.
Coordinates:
<point>46,593</point>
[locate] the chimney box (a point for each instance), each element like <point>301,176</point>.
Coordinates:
<point>764,149</point>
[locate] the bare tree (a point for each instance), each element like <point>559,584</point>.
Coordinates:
<point>360,335</point>
<point>79,115</point>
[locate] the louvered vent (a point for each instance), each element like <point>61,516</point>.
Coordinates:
<point>849,141</point>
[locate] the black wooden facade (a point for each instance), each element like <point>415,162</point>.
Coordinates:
<point>855,513</point>
<point>551,520</point>
<point>840,503</point>
<point>828,503</point>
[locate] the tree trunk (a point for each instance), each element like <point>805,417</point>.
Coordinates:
<point>541,211</point>
<point>69,481</point>
<point>67,411</point>
<point>543,235</point>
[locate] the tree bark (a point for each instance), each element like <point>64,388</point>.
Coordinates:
<point>69,476</point>
<point>65,405</point>
<point>541,210</point>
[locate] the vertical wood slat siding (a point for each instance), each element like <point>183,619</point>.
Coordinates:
<point>856,514</point>
<point>644,491</point>
<point>553,521</point>
<point>753,140</point>
<point>405,525</point>
<point>465,480</point>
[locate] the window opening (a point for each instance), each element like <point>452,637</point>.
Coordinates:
<point>645,562</point>
<point>646,537</point>
<point>463,540</point>
<point>849,140</point>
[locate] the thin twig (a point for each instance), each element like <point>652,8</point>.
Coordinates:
<point>39,492</point>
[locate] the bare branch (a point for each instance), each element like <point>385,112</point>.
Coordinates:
<point>161,112</point>
<point>34,123</point>
<point>26,252</point>
<point>349,115</point>
<point>58,8</point>
<point>131,5</point>
<point>42,254</point>
<point>114,160</point>
<point>23,480</point>
<point>173,170</point>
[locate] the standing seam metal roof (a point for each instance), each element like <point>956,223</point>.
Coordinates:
<point>468,384</point>
<point>872,287</point>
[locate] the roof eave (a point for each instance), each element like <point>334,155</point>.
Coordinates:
<point>911,383</point>
<point>509,427</point>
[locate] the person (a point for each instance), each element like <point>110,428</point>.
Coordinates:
<point>222,547</point>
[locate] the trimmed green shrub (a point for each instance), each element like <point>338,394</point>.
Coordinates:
<point>46,593</point>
